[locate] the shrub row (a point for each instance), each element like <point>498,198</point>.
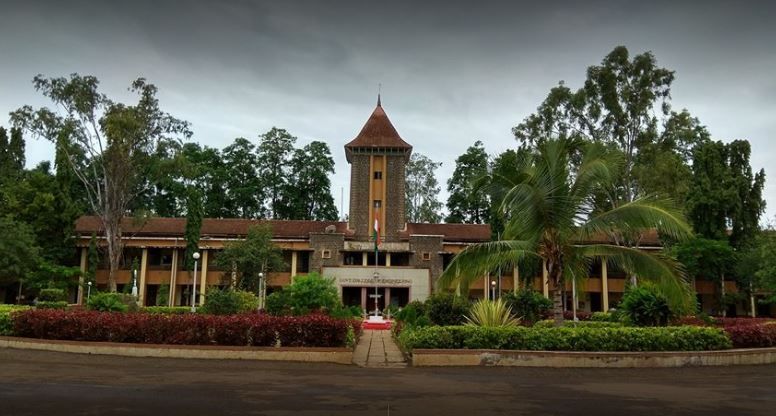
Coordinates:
<point>166,310</point>
<point>6,323</point>
<point>566,338</point>
<point>549,323</point>
<point>187,329</point>
<point>752,336</point>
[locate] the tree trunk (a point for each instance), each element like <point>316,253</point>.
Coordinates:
<point>557,303</point>
<point>114,245</point>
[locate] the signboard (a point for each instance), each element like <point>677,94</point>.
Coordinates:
<point>389,282</point>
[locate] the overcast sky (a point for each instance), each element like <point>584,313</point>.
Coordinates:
<point>451,73</point>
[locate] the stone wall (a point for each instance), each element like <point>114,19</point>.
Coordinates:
<point>360,176</point>
<point>395,197</point>
<point>427,244</point>
<point>322,241</point>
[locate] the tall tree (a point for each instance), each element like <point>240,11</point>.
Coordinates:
<point>19,253</point>
<point>250,257</point>
<point>308,193</point>
<point>422,190</point>
<point>724,194</point>
<point>469,203</point>
<point>551,220</point>
<point>118,140</point>
<point>11,154</point>
<point>274,153</point>
<point>617,106</point>
<point>245,189</point>
<point>193,225</point>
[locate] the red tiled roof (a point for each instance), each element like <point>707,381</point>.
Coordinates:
<point>234,227</point>
<point>452,232</point>
<point>378,132</point>
<point>211,227</point>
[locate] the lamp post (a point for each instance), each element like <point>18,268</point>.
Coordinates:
<point>88,291</point>
<point>261,290</point>
<point>134,284</point>
<point>574,298</point>
<point>492,290</point>
<point>194,285</point>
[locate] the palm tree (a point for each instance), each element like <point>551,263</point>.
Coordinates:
<point>549,216</point>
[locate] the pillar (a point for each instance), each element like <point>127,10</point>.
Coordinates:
<point>387,259</point>
<point>604,286</point>
<point>545,280</point>
<point>365,257</point>
<point>294,262</point>
<point>515,279</point>
<point>363,298</point>
<point>143,268</point>
<point>173,272</point>
<point>486,287</point>
<point>84,259</point>
<point>203,278</point>
<point>387,296</point>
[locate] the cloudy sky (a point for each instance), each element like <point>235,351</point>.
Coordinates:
<point>451,72</point>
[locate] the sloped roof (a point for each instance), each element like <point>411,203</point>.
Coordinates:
<point>465,233</point>
<point>378,132</point>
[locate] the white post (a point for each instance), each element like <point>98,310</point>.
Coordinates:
<point>574,297</point>
<point>194,284</point>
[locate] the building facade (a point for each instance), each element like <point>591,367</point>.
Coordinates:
<point>410,258</point>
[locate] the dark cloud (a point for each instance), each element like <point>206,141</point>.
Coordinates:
<point>452,72</point>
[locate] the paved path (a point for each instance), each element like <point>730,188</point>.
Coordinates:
<point>48,383</point>
<point>376,348</point>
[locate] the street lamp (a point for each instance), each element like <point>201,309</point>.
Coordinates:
<point>194,285</point>
<point>88,291</point>
<point>492,290</point>
<point>134,284</point>
<point>261,290</point>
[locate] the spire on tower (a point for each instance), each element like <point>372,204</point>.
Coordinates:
<point>379,88</point>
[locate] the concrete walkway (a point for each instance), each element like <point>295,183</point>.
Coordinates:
<point>376,348</point>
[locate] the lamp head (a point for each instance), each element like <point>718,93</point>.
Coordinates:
<point>195,255</point>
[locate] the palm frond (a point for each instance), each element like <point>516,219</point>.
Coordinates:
<point>661,270</point>
<point>477,260</point>
<point>639,215</point>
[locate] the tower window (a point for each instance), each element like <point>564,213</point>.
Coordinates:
<point>378,174</point>
<point>378,203</point>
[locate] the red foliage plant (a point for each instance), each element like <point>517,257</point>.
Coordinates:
<point>752,336</point>
<point>187,329</point>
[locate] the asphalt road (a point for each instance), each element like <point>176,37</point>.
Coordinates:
<point>46,383</point>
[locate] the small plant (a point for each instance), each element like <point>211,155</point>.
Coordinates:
<point>528,304</point>
<point>491,313</point>
<point>446,309</point>
<point>163,295</point>
<point>646,306</point>
<point>51,295</point>
<point>107,302</point>
<point>51,304</point>
<point>229,302</point>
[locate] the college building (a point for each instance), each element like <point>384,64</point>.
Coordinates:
<point>410,258</point>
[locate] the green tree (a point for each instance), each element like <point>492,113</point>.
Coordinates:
<point>119,140</point>
<point>467,202</point>
<point>247,258</point>
<point>308,192</point>
<point>706,259</point>
<point>725,194</point>
<point>422,190</point>
<point>551,219</point>
<point>19,254</point>
<point>193,225</point>
<point>274,153</point>
<point>245,189</point>
<point>11,154</point>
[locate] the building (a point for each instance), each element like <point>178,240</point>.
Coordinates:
<point>410,258</point>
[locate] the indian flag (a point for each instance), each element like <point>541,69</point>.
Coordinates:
<point>377,234</point>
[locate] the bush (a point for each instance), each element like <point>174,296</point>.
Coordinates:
<point>6,323</point>
<point>52,295</point>
<point>51,305</point>
<point>107,302</point>
<point>311,293</point>
<point>549,323</point>
<point>229,302</point>
<point>645,306</point>
<point>446,309</point>
<point>346,312</point>
<point>491,313</point>
<point>412,313</point>
<point>277,304</point>
<point>566,338</point>
<point>166,310</point>
<point>529,305</point>
<point>581,315</point>
<point>187,329</point>
<point>752,336</point>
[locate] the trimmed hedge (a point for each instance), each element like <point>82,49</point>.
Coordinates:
<point>6,323</point>
<point>188,329</point>
<point>549,323</point>
<point>752,336</point>
<point>566,339</point>
<point>166,310</point>
<point>51,305</point>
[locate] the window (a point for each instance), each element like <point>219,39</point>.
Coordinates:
<point>426,256</point>
<point>326,254</point>
<point>378,174</point>
<point>378,203</point>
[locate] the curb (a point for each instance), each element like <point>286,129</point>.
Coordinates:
<point>574,359</point>
<point>209,352</point>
